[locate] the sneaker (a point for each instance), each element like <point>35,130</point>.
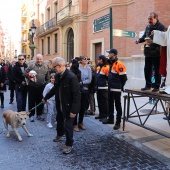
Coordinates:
<point>155,90</point>
<point>117,126</point>
<point>49,125</point>
<point>32,119</point>
<point>81,126</point>
<point>57,138</point>
<point>107,121</point>
<point>40,118</point>
<point>67,149</point>
<point>76,129</point>
<point>145,88</point>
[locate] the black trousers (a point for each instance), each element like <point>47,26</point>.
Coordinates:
<point>102,99</point>
<point>115,98</point>
<point>65,126</point>
<point>12,95</point>
<point>149,63</point>
<point>84,100</point>
<point>35,95</point>
<point>2,98</point>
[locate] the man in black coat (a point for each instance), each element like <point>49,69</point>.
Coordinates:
<point>20,83</point>
<point>67,96</point>
<point>11,81</point>
<point>151,52</point>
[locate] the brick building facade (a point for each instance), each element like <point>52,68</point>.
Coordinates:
<point>65,28</point>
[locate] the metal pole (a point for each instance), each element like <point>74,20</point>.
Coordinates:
<point>111,29</point>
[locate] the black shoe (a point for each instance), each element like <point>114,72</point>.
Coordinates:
<point>117,126</point>
<point>2,106</point>
<point>91,114</point>
<point>107,121</point>
<point>162,92</point>
<point>145,88</point>
<point>102,119</point>
<point>98,117</point>
<point>165,118</point>
<point>155,90</point>
<point>11,101</point>
<point>40,118</point>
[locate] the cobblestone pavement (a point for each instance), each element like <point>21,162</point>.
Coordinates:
<point>96,148</point>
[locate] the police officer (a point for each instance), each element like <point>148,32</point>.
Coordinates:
<point>102,71</point>
<point>116,81</point>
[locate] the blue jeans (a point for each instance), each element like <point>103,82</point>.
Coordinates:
<point>21,96</point>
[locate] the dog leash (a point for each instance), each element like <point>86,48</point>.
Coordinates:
<point>36,106</point>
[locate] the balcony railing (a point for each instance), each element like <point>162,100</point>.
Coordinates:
<point>47,26</point>
<point>65,12</point>
<point>24,14</point>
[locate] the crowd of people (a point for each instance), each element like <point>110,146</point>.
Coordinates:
<point>66,91</point>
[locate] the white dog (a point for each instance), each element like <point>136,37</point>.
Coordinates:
<point>32,75</point>
<point>15,119</point>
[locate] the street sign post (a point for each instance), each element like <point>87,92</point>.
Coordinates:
<point>101,23</point>
<point>124,33</point>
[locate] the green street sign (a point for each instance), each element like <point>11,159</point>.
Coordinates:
<point>101,23</point>
<point>124,33</point>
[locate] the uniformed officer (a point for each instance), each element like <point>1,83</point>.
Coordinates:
<point>102,71</point>
<point>116,81</point>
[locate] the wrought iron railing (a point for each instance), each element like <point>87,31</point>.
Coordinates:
<point>47,26</point>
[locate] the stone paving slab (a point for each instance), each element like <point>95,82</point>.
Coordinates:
<point>99,147</point>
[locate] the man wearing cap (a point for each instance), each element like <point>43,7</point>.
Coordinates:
<point>102,71</point>
<point>116,81</point>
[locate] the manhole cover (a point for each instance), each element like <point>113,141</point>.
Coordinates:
<point>148,111</point>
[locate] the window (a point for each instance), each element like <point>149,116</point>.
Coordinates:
<point>42,46</point>
<point>55,43</point>
<point>48,14</point>
<point>48,47</point>
<point>55,9</point>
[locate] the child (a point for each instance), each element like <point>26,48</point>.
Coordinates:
<point>51,108</point>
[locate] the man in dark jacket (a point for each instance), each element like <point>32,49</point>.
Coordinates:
<point>11,81</point>
<point>20,83</point>
<point>67,96</point>
<point>151,52</point>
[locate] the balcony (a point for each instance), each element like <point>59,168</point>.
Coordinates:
<point>47,27</point>
<point>64,15</point>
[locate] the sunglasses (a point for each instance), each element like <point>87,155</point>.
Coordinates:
<point>85,58</point>
<point>21,59</point>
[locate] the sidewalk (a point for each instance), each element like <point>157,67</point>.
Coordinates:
<point>99,147</point>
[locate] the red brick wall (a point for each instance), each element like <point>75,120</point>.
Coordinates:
<point>132,17</point>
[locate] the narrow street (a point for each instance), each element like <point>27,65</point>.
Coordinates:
<point>98,147</point>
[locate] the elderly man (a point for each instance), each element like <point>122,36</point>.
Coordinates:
<point>35,89</point>
<point>67,96</point>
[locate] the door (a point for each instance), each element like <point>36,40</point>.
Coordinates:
<point>98,50</point>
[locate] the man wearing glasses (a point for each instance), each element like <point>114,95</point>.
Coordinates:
<point>67,96</point>
<point>20,83</point>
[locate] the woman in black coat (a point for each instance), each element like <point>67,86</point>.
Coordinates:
<point>2,85</point>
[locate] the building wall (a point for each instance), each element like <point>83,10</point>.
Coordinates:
<point>129,15</point>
